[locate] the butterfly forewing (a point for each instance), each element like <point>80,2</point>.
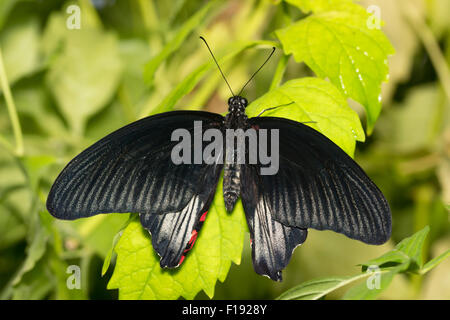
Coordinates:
<point>319,186</point>
<point>131,170</point>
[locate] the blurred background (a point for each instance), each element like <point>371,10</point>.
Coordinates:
<point>71,87</point>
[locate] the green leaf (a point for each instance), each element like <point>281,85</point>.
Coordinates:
<point>413,246</point>
<point>326,5</point>
<point>110,253</point>
<point>35,284</point>
<point>20,45</point>
<point>389,259</point>
<point>362,291</point>
<point>36,166</point>
<point>12,229</point>
<point>314,100</point>
<point>84,76</point>
<point>434,262</point>
<point>339,45</point>
<point>316,289</point>
<point>407,253</point>
<point>98,231</point>
<point>54,34</point>
<point>33,102</point>
<point>407,256</point>
<point>35,250</point>
<point>174,44</point>
<point>138,275</point>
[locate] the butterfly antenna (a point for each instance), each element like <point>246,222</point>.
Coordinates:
<point>273,50</point>
<point>218,65</point>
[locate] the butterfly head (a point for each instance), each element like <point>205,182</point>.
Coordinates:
<point>237,103</point>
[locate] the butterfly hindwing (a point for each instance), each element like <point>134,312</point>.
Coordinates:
<point>272,242</point>
<point>319,186</point>
<point>174,233</point>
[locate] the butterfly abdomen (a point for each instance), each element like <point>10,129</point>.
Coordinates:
<point>235,119</point>
<point>231,185</point>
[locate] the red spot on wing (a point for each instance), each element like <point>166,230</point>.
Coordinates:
<point>191,241</point>
<point>203,217</point>
<point>194,235</point>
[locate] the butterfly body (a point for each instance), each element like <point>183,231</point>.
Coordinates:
<point>235,119</point>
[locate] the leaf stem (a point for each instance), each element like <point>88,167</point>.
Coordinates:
<point>12,111</point>
<point>290,294</point>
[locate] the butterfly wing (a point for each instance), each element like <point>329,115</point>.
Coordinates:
<point>131,170</point>
<point>272,242</point>
<point>319,186</point>
<point>174,233</point>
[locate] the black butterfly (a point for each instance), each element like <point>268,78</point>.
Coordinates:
<point>317,186</point>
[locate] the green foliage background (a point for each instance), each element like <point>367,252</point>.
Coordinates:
<point>62,89</point>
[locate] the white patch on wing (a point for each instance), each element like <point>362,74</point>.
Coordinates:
<point>171,231</point>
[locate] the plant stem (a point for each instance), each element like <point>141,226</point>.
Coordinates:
<point>149,16</point>
<point>151,23</point>
<point>12,111</point>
